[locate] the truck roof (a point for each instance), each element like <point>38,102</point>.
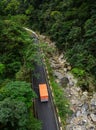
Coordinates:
<point>43,90</point>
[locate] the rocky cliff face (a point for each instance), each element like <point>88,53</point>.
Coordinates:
<point>82,105</point>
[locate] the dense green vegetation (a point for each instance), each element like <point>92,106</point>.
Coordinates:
<point>16,63</point>
<point>70,23</point>
<point>15,107</point>
<point>17,57</point>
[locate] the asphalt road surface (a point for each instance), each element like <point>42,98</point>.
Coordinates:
<point>45,111</point>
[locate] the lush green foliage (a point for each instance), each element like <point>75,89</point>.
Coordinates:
<point>17,57</point>
<point>15,103</point>
<point>78,72</point>
<point>16,49</point>
<point>72,24</point>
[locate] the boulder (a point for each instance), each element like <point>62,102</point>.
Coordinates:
<point>64,81</point>
<point>93,117</point>
<point>58,75</point>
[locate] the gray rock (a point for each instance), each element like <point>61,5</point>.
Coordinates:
<point>93,100</point>
<point>69,67</point>
<point>57,66</point>
<point>58,75</point>
<point>64,81</point>
<point>78,113</point>
<point>93,117</point>
<point>84,108</point>
<point>91,128</point>
<point>84,122</point>
<point>71,83</point>
<point>52,64</point>
<point>69,127</point>
<point>79,128</point>
<point>61,56</point>
<point>65,69</point>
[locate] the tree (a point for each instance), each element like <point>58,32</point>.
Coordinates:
<point>14,43</point>
<point>15,103</point>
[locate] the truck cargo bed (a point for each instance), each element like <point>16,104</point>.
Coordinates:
<point>43,92</point>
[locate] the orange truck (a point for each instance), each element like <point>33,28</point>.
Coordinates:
<point>43,92</point>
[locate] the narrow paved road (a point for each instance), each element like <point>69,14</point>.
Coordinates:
<point>45,110</point>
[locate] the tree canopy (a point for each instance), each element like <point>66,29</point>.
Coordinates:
<point>16,63</point>
<point>72,25</point>
<point>15,103</point>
